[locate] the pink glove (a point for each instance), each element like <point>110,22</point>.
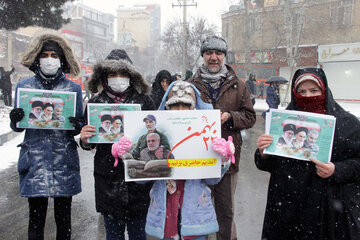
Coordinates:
<point>224,148</point>
<point>120,148</point>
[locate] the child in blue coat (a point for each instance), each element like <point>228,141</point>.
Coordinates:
<point>185,203</point>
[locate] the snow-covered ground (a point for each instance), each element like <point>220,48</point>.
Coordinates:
<point>10,152</point>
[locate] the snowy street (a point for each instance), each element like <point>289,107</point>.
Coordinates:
<point>88,225</point>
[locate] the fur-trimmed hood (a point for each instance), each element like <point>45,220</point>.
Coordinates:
<point>104,67</point>
<point>29,59</point>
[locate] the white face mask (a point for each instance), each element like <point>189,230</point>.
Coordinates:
<point>49,66</point>
<point>119,84</point>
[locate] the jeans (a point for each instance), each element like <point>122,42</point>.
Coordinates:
<point>115,228</point>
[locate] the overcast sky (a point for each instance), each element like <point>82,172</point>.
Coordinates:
<point>210,9</point>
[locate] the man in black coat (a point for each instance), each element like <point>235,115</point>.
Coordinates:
<point>5,85</point>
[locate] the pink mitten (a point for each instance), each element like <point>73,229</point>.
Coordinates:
<point>224,148</point>
<point>120,148</point>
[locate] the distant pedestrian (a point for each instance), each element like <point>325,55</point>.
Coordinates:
<point>48,161</point>
<point>272,96</point>
<point>261,89</point>
<point>162,81</point>
<point>250,85</point>
<point>6,85</point>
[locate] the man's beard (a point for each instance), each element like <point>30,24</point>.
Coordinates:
<point>36,114</point>
<point>106,128</point>
<point>151,128</point>
<point>47,117</point>
<point>154,148</point>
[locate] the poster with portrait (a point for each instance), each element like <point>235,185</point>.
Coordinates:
<point>45,109</point>
<point>172,145</point>
<point>108,120</point>
<point>300,135</point>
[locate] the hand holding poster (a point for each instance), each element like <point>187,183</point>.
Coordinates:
<point>46,109</point>
<point>300,135</point>
<point>172,144</point>
<point>108,120</point>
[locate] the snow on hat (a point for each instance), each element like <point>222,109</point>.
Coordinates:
<point>214,43</point>
<point>308,76</point>
<point>119,54</point>
<point>149,117</point>
<point>181,92</point>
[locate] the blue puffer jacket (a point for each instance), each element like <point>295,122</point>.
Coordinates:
<point>198,215</point>
<point>48,161</point>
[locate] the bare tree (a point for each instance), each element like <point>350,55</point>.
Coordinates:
<point>197,30</point>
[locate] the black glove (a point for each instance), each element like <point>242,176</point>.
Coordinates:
<point>16,115</point>
<point>75,122</point>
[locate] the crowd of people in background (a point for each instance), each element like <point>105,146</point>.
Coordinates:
<point>306,200</point>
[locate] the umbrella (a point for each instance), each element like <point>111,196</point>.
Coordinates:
<point>278,79</point>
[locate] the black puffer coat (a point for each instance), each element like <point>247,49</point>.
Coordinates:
<point>113,195</point>
<point>300,204</point>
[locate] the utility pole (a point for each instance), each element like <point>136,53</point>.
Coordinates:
<point>184,4</point>
<point>10,48</point>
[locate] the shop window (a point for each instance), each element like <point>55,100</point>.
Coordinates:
<point>255,22</point>
<point>341,13</point>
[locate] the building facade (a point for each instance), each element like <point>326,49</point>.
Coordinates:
<point>276,37</point>
<point>90,31</point>
<point>139,31</point>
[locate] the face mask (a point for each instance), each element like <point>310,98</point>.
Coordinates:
<point>119,84</point>
<point>49,66</point>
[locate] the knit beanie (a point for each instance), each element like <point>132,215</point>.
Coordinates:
<point>181,92</point>
<point>214,43</point>
<point>52,46</point>
<point>309,77</point>
<point>119,54</point>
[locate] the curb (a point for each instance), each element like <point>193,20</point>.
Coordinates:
<point>8,136</point>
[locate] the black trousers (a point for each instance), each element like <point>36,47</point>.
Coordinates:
<point>37,217</point>
<point>7,97</point>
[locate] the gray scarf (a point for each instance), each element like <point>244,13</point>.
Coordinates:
<point>214,79</point>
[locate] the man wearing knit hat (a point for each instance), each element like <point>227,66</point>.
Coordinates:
<point>219,85</point>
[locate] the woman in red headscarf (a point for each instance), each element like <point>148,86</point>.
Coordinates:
<point>311,199</point>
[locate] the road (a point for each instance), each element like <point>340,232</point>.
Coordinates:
<point>88,225</point>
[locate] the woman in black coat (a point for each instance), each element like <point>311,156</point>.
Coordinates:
<point>162,81</point>
<point>121,203</point>
<point>311,199</point>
